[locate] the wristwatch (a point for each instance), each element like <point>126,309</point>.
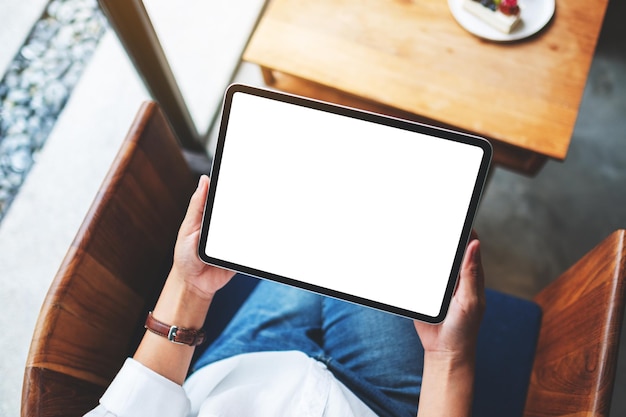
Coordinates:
<point>175,334</point>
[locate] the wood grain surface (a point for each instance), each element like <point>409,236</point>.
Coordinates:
<point>413,56</point>
<point>574,369</point>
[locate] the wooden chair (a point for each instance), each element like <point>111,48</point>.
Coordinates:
<point>571,369</point>
<point>112,274</point>
<point>574,369</point>
<point>92,317</point>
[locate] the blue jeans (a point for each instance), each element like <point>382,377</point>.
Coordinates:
<point>378,356</point>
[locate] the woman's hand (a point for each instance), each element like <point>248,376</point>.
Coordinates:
<point>186,295</point>
<point>450,347</point>
<point>457,335</point>
<point>200,278</point>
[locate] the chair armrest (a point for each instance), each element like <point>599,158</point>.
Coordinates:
<point>574,368</point>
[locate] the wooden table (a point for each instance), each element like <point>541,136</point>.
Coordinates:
<point>411,59</point>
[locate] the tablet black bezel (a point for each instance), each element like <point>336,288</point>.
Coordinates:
<point>361,115</point>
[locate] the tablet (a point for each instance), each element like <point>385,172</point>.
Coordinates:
<point>349,204</point>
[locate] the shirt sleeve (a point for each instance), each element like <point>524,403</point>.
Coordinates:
<point>139,391</point>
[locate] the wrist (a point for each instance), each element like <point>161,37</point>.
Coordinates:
<point>180,304</point>
<point>456,359</point>
<point>450,369</point>
<point>447,385</point>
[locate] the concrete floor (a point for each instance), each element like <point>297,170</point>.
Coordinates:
<point>532,229</point>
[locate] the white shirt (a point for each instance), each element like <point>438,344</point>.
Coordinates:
<point>254,384</point>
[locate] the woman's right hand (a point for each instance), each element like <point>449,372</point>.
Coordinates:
<point>450,347</point>
<point>457,335</point>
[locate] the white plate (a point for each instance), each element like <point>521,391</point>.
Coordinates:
<point>535,15</point>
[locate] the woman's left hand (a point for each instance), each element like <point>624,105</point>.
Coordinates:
<point>202,279</point>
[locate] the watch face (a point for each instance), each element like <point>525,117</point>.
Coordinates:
<point>349,204</point>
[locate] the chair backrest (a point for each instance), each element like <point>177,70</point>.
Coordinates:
<point>91,319</point>
<point>576,357</point>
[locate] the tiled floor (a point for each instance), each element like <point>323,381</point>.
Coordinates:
<point>531,228</point>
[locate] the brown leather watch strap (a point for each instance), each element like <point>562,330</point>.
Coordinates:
<point>174,334</point>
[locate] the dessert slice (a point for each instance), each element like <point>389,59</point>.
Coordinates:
<point>503,15</point>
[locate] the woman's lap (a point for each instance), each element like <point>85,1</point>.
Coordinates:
<point>273,318</point>
<point>375,354</point>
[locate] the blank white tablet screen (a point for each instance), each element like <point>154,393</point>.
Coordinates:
<point>345,204</point>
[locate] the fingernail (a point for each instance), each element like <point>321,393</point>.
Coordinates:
<point>477,251</point>
<point>200,180</point>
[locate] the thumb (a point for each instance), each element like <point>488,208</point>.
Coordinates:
<point>193,217</point>
<point>472,279</point>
